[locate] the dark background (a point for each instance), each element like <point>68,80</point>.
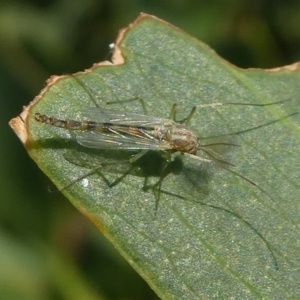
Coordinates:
<point>47,249</point>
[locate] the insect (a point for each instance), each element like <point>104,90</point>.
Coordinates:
<point>112,129</point>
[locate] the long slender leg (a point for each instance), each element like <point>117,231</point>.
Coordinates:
<point>157,187</point>
<point>142,102</point>
<point>96,169</point>
<point>186,120</point>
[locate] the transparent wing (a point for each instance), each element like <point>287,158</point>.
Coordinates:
<point>101,140</point>
<point>117,117</point>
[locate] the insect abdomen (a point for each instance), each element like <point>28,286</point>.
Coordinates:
<point>66,124</point>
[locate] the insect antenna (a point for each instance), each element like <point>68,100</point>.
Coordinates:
<point>242,104</point>
<point>224,163</point>
<point>217,159</point>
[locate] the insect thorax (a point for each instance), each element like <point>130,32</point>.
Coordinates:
<point>182,139</point>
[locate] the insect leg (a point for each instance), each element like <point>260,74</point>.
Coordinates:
<point>241,104</point>
<point>267,244</point>
<point>142,102</point>
<point>85,88</point>
<point>91,96</point>
<point>169,166</point>
<point>197,157</point>
<point>97,170</point>
<point>137,156</point>
<point>186,120</point>
<point>156,187</point>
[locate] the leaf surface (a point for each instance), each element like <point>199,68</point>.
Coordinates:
<point>214,234</point>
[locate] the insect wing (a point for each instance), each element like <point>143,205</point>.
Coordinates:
<point>103,115</point>
<point>101,140</point>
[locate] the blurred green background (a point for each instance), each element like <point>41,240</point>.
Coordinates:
<point>47,249</point>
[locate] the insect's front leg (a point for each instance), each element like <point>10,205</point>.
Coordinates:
<point>186,120</point>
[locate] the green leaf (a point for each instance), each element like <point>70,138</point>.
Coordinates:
<point>215,234</point>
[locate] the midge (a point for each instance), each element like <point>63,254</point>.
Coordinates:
<point>111,129</point>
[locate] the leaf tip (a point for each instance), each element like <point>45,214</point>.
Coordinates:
<point>19,123</point>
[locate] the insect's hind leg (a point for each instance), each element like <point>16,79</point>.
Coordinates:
<point>98,171</point>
